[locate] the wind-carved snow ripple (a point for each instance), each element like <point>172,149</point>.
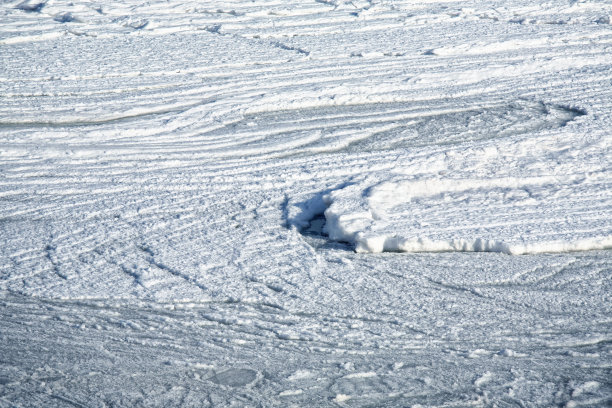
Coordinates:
<point>389,126</point>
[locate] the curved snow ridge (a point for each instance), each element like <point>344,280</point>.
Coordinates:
<point>511,215</point>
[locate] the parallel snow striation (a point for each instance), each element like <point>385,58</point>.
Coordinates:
<point>153,155</point>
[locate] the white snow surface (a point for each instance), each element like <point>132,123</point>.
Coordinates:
<point>196,198</point>
<point>513,215</point>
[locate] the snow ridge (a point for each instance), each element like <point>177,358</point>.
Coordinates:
<point>509,215</point>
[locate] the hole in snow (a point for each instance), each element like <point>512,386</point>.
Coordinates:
<point>316,227</point>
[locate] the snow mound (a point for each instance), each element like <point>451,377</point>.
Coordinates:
<point>509,214</point>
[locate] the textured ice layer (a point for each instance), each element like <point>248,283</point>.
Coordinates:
<point>156,155</point>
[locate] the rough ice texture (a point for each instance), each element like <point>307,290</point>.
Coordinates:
<point>162,161</point>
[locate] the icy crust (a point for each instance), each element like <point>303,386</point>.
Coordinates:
<point>509,215</point>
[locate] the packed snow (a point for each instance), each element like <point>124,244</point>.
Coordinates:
<point>313,203</point>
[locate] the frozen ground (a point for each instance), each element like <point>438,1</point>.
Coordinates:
<point>206,204</point>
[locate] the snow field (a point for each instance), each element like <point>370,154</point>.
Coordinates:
<point>193,198</point>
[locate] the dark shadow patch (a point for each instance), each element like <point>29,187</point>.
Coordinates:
<point>31,6</point>
<point>316,236</point>
<point>316,226</point>
<point>235,377</point>
<point>66,18</point>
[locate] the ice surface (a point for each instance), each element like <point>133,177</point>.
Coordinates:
<point>193,196</point>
